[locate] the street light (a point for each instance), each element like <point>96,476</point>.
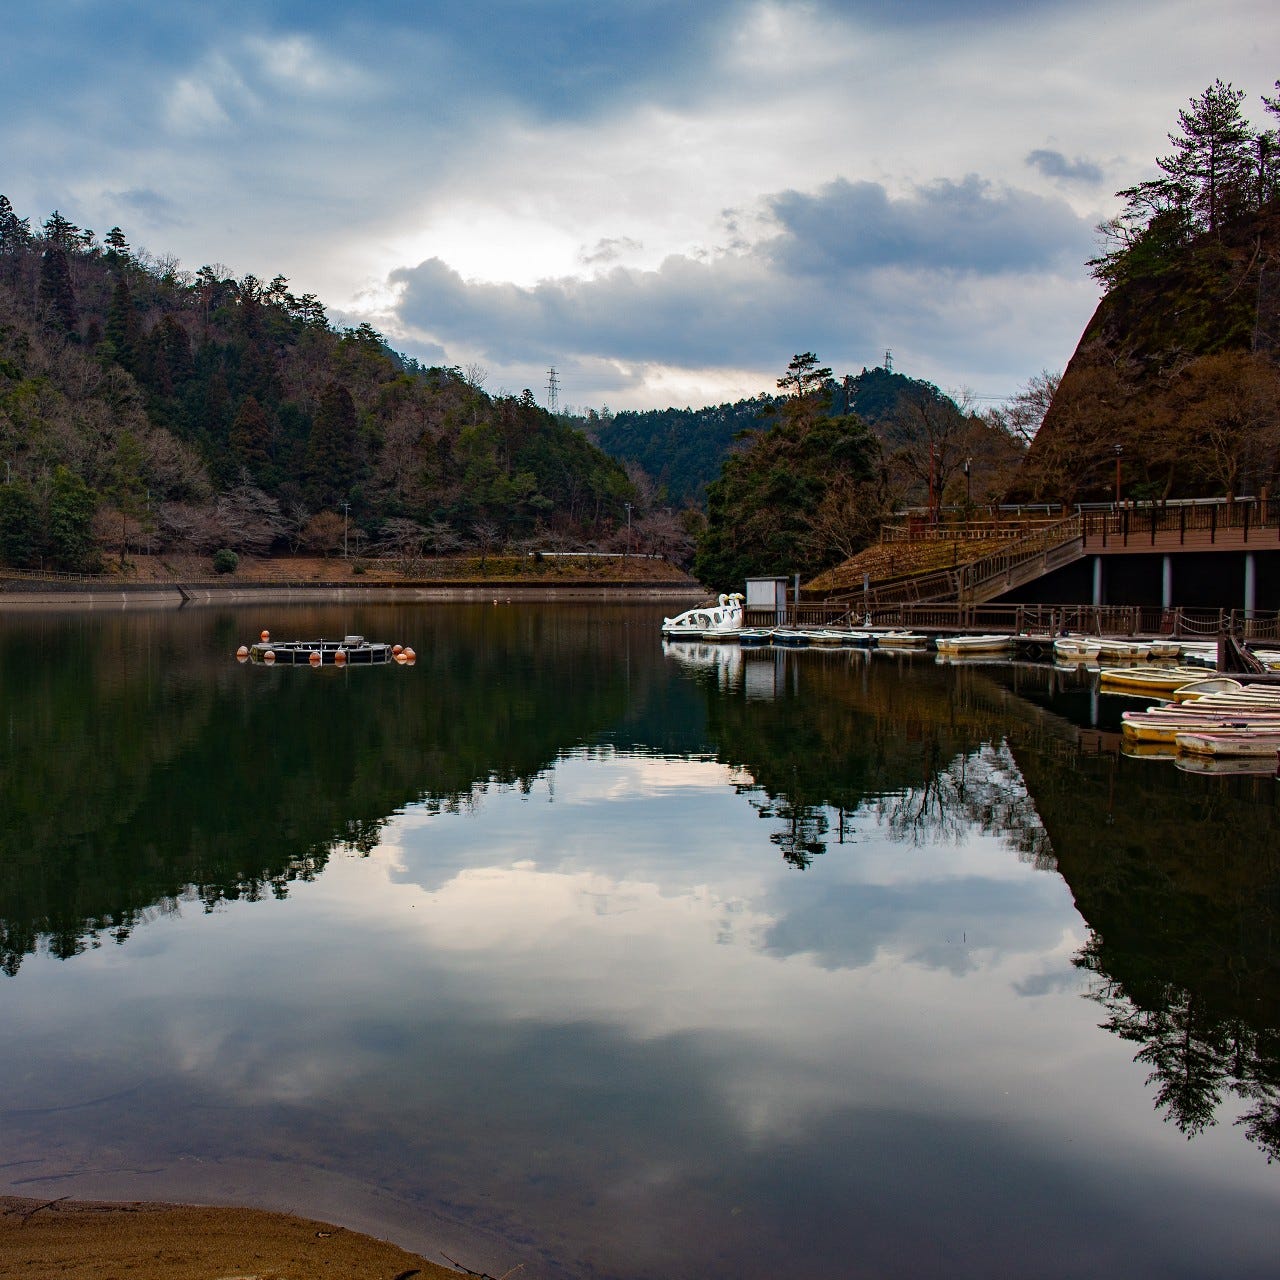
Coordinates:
<point>968,489</point>
<point>1119,451</point>
<point>346,508</point>
<point>628,507</point>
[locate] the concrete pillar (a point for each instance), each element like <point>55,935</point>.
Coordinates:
<point>1250,583</point>
<point>1166,583</point>
<point>1097,580</point>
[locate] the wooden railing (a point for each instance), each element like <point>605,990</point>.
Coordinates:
<point>1049,547</point>
<point>1084,619</point>
<point>1244,521</point>
<point>962,531</point>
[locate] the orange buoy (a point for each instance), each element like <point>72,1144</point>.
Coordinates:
<point>410,658</point>
<point>397,648</point>
<point>340,658</point>
<point>265,636</point>
<point>315,658</point>
<point>400,658</point>
<point>408,653</point>
<point>269,656</point>
<point>242,652</point>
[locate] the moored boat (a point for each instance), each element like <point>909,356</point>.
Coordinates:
<point>975,644</point>
<point>1230,742</point>
<point>900,640</point>
<point>725,615</point>
<point>1144,679</point>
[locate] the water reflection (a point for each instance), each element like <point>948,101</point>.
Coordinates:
<point>651,963</point>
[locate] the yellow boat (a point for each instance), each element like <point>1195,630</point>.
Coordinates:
<point>1142,680</point>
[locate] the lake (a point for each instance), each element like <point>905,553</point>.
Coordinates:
<point>557,949</point>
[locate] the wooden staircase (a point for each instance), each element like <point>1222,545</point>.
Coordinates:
<point>1015,563</point>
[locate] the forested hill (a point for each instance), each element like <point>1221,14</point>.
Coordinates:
<point>1178,366</point>
<point>197,411</point>
<point>682,450</point>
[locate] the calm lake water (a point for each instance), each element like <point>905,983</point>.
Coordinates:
<point>557,949</point>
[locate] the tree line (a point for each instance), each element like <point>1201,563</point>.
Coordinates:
<point>145,407</point>
<point>811,485</point>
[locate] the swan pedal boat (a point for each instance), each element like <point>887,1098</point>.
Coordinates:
<point>721,618</point>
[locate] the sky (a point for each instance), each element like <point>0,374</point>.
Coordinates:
<point>663,201</point>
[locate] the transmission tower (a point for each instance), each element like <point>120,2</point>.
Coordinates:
<point>888,362</point>
<point>553,391</point>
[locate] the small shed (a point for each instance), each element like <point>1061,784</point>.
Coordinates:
<point>770,595</point>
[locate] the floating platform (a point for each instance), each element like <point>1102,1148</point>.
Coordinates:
<point>353,651</point>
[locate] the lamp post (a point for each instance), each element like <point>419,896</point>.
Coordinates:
<point>1119,451</point>
<point>346,508</point>
<point>628,507</point>
<point>968,489</point>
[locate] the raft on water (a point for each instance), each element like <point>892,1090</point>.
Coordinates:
<point>350,650</point>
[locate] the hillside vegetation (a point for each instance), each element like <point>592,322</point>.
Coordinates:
<point>1178,367</point>
<point>143,406</point>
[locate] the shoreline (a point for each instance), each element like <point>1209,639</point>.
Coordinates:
<point>85,1239</point>
<point>178,595</point>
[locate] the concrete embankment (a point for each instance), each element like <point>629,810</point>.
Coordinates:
<point>29,594</point>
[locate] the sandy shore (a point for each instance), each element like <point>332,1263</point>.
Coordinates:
<point>93,1240</point>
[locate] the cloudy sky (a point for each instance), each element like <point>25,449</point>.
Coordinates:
<point>663,200</point>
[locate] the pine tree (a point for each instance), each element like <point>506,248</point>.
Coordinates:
<point>124,330</point>
<point>1212,155</point>
<point>56,291</point>
<point>251,436</point>
<point>15,236</point>
<point>331,450</point>
<point>63,233</point>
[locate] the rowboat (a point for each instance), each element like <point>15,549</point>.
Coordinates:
<point>1145,679</point>
<point>1230,742</point>
<point>1122,650</point>
<point>1257,766</point>
<point>1142,728</point>
<point>900,640</point>
<point>1076,648</point>
<point>974,644</point>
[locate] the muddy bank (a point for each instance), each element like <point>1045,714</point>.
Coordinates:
<point>87,1240</point>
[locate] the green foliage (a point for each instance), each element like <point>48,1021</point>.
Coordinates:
<point>217,378</point>
<point>764,512</point>
<point>55,290</point>
<point>19,525</point>
<point>225,560</point>
<point>70,523</point>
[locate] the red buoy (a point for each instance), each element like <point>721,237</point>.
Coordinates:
<point>397,648</point>
<point>315,658</point>
<point>408,653</point>
<point>265,636</point>
<point>340,658</point>
<point>242,652</point>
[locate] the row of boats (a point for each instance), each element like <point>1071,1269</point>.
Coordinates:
<point>1218,718</point>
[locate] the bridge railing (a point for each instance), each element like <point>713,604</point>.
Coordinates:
<point>1244,520</point>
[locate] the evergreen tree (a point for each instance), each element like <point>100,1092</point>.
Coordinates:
<point>331,450</point>
<point>124,330</point>
<point>56,291</point>
<point>70,522</point>
<point>1212,154</point>
<point>15,236</point>
<point>251,436</point>
<point>63,233</point>
<point>19,526</point>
